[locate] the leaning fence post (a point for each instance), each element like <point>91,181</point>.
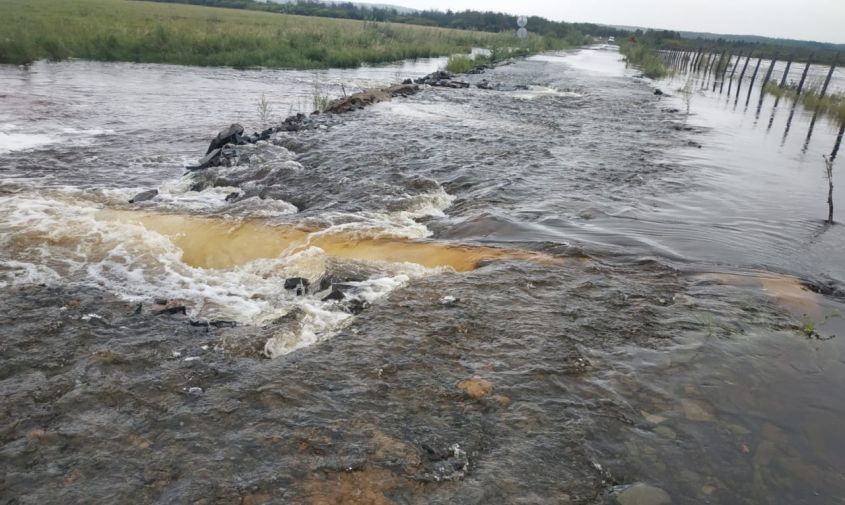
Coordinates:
<point>741,75</point>
<point>700,61</point>
<point>804,76</point>
<point>768,76</point>
<point>716,68</point>
<point>719,63</point>
<point>829,172</point>
<point>725,73</point>
<point>786,72</point>
<point>829,75</point>
<point>708,64</point>
<point>753,78</point>
<point>736,64</point>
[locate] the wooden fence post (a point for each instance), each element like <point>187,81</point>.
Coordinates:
<point>739,81</point>
<point>804,76</point>
<point>708,64</point>
<point>700,61</point>
<point>768,76</point>
<point>725,73</point>
<point>753,78</point>
<point>716,69</point>
<point>829,75</point>
<point>786,72</point>
<point>736,64</point>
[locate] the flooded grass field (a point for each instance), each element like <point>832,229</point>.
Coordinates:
<point>564,290</point>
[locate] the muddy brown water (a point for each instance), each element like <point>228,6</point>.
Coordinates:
<point>551,292</point>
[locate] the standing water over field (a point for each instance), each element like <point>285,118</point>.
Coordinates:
<point>542,293</point>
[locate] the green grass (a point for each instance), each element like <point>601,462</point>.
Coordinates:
<point>832,105</point>
<point>123,30</point>
<point>644,57</point>
<point>460,63</point>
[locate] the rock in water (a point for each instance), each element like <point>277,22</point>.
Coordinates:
<point>211,159</point>
<point>297,284</point>
<point>169,307</point>
<point>226,136</point>
<point>642,494</point>
<point>336,294</point>
<point>266,134</point>
<point>356,305</point>
<point>369,97</point>
<point>144,196</point>
<point>476,387</point>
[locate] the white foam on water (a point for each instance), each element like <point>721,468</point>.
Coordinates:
<point>18,272</point>
<point>13,138</point>
<point>10,142</point>
<point>534,92</point>
<point>319,322</point>
<point>59,238</point>
<point>91,132</point>
<point>400,223</point>
<point>177,195</point>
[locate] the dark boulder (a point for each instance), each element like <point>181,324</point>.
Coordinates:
<point>442,79</point>
<point>459,84</point>
<point>266,134</point>
<point>211,159</point>
<point>480,69</point>
<point>335,295</point>
<point>433,77</point>
<point>294,123</point>
<point>230,135</point>
<point>297,284</point>
<point>355,306</point>
<point>169,307</point>
<point>144,196</point>
<point>658,92</point>
<point>215,323</point>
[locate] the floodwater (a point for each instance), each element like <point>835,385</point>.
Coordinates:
<point>543,294</point>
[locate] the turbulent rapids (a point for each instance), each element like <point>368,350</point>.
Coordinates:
<point>545,284</point>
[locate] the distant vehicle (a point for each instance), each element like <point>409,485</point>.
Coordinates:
<point>611,40</point>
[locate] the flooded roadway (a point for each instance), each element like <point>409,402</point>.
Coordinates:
<point>549,294</point>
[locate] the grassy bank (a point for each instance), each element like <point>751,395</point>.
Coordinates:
<point>122,30</point>
<point>832,105</point>
<point>644,57</point>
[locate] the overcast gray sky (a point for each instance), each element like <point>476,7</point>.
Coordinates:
<point>822,20</point>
